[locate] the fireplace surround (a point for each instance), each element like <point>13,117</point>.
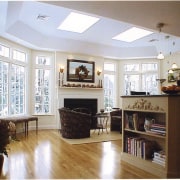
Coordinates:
<point>80,97</point>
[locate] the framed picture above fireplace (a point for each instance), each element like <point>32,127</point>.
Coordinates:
<point>80,71</point>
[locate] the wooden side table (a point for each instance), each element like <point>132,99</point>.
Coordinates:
<point>102,122</point>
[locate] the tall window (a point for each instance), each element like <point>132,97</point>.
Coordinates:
<point>42,85</point>
<point>17,89</point>
<point>109,86</point>
<point>12,82</point>
<point>4,88</point>
<point>141,77</point>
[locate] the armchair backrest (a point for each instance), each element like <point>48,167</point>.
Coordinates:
<point>116,112</point>
<point>74,117</point>
<point>82,110</point>
<point>74,124</point>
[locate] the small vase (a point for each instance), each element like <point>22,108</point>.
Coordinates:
<point>1,162</point>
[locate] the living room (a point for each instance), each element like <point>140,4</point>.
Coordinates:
<point>59,58</point>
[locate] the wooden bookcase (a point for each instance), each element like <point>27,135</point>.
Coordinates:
<point>165,109</point>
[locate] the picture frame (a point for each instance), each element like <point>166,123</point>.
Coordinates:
<point>174,75</point>
<point>80,70</point>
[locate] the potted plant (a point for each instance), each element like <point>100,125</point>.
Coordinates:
<point>5,129</point>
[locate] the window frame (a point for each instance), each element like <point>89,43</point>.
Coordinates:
<point>140,73</point>
<point>49,67</point>
<point>12,62</point>
<point>114,73</point>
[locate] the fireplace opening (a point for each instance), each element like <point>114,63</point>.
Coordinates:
<point>90,104</point>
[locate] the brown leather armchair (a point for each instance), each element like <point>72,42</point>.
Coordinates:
<point>116,120</point>
<point>87,111</point>
<point>74,125</point>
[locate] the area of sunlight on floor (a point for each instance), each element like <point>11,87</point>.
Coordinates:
<point>107,164</point>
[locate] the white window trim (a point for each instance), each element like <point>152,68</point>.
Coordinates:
<point>50,67</point>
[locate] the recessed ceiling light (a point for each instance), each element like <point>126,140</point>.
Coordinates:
<point>76,22</point>
<point>132,34</point>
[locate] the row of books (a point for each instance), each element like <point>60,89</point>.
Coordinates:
<point>140,147</point>
<point>134,122</point>
<point>158,129</point>
<point>159,158</point>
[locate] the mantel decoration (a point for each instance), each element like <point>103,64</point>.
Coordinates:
<point>80,71</point>
<point>61,79</point>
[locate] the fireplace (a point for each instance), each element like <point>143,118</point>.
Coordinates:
<point>72,103</point>
<point>90,104</point>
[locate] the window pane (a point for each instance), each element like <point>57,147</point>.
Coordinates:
<point>17,98</point>
<point>3,88</point>
<point>131,67</point>
<point>109,91</point>
<point>131,83</point>
<point>42,91</point>
<point>149,83</point>
<point>41,60</point>
<point>109,67</point>
<point>20,56</point>
<point>4,51</point>
<point>150,67</point>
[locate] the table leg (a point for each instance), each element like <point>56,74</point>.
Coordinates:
<point>36,127</point>
<point>107,125</point>
<point>25,129</point>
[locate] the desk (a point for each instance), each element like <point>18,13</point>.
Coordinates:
<point>22,119</point>
<point>102,121</point>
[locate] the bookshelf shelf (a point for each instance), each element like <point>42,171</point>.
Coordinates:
<point>145,133</point>
<point>140,145</point>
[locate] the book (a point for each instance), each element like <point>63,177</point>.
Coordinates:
<point>126,121</point>
<point>160,154</point>
<point>163,132</point>
<point>140,123</point>
<point>135,120</point>
<point>148,149</point>
<point>159,162</point>
<point>131,123</point>
<point>159,158</point>
<point>158,126</point>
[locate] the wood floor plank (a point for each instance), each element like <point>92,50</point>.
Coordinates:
<point>47,156</point>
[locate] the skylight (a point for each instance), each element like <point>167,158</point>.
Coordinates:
<point>77,22</point>
<point>132,34</point>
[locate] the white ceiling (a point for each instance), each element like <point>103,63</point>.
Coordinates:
<point>18,22</point>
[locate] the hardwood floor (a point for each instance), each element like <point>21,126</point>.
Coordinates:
<point>46,156</point>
